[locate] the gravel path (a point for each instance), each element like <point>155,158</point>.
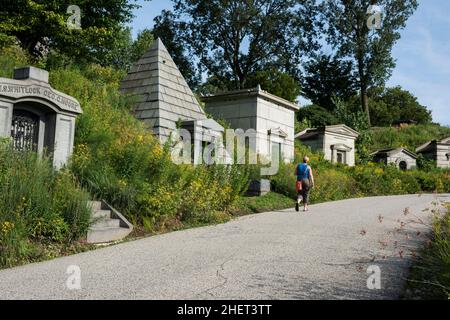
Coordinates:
<point>322,254</point>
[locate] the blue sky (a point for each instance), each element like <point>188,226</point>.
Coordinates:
<point>422,54</point>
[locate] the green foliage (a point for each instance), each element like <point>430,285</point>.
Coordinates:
<point>336,182</point>
<point>316,116</point>
<point>217,33</point>
<point>347,32</point>
<point>41,26</point>
<point>430,274</point>
<point>396,104</point>
<point>278,83</point>
<point>327,77</point>
<point>10,58</point>
<point>118,160</point>
<point>142,43</point>
<point>409,137</point>
<point>37,205</point>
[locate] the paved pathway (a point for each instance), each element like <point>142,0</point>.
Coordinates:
<point>323,254</point>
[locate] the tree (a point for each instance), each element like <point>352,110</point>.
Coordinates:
<point>327,77</point>
<point>316,115</point>
<point>235,39</point>
<point>396,104</point>
<point>142,43</point>
<point>347,30</point>
<point>167,28</point>
<point>278,83</point>
<point>41,26</point>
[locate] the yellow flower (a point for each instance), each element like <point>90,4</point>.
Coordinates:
<point>7,226</point>
<point>379,171</point>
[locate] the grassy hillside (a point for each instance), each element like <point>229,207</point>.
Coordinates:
<point>410,137</point>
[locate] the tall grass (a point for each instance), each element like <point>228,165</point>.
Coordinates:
<point>430,275</point>
<point>37,205</point>
<point>410,137</point>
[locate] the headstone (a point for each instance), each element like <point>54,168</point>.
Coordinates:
<point>259,187</point>
<point>37,117</point>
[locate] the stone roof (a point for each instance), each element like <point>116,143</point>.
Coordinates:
<point>430,145</point>
<point>31,84</point>
<point>341,129</point>
<point>254,92</point>
<point>393,151</point>
<point>160,91</point>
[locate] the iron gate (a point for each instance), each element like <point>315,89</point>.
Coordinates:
<point>24,131</point>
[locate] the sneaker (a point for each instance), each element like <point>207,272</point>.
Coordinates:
<point>296,207</point>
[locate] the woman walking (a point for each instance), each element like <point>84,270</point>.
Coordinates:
<point>305,181</point>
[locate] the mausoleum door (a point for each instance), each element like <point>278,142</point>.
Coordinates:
<point>25,130</point>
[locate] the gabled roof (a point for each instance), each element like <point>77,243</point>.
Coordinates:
<point>245,93</point>
<point>312,133</point>
<point>392,151</point>
<point>160,90</point>
<point>278,132</point>
<point>433,144</point>
<point>341,147</point>
<point>342,129</point>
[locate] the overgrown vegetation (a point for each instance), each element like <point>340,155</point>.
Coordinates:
<point>336,182</point>
<point>430,275</point>
<point>42,212</point>
<point>409,137</point>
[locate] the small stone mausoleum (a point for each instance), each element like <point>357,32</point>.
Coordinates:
<point>437,150</point>
<point>402,158</point>
<point>36,116</point>
<point>337,142</point>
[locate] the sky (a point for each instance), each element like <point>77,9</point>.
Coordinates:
<point>422,54</point>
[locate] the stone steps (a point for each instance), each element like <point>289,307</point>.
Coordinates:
<point>107,225</point>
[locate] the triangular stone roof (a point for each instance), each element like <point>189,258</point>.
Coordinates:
<point>312,133</point>
<point>160,91</point>
<point>393,151</point>
<point>433,144</point>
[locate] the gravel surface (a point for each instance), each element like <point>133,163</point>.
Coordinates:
<point>321,254</point>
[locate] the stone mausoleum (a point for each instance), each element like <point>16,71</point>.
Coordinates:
<point>337,142</point>
<point>270,116</point>
<point>37,117</point>
<point>437,150</point>
<point>402,158</point>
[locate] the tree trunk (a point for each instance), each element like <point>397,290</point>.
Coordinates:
<point>365,102</point>
<point>363,87</point>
